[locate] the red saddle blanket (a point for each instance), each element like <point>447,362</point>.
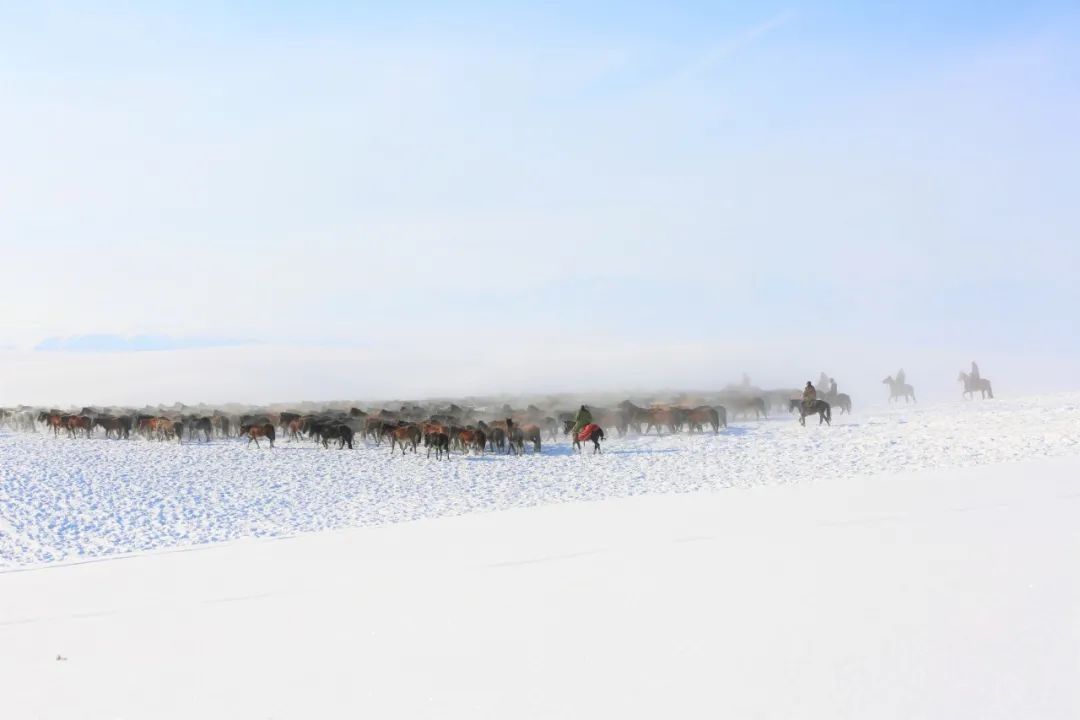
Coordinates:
<point>587,431</point>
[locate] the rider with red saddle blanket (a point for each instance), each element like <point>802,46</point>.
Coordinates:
<point>582,422</point>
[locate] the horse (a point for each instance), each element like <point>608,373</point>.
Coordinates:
<point>53,420</point>
<point>551,425</point>
<point>472,439</point>
<point>820,408</point>
<point>440,441</point>
<point>24,421</point>
<point>221,424</point>
<point>496,437</point>
<point>518,436</point>
<point>842,401</point>
<point>285,418</point>
<point>592,432</point>
<point>75,423</point>
<point>167,429</point>
<point>633,415</point>
<point>613,419</point>
<point>294,429</point>
<point>900,390</point>
<point>975,385</point>
<point>340,432</point>
<point>697,418</point>
<point>403,435</point>
<point>201,429</point>
<point>256,431</point>
<point>120,427</point>
<point>532,434</point>
<point>744,405</point>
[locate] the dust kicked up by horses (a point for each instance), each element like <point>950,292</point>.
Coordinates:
<point>467,428</point>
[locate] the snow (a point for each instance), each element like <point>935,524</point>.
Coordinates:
<point>909,562</point>
<point>62,499</point>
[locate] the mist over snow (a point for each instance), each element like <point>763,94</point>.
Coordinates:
<point>270,373</point>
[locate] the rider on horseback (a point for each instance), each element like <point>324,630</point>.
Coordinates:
<point>832,388</point>
<point>583,418</point>
<point>809,395</point>
<point>974,371</point>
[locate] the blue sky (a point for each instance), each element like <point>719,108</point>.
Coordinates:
<point>304,174</point>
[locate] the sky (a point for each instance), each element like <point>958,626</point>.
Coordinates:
<point>532,194</point>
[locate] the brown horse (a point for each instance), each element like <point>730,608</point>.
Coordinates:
<point>120,427</point>
<point>53,420</point>
<point>78,423</point>
<point>168,429</point>
<point>634,415</point>
<point>475,440</point>
<point>403,435</point>
<point>697,418</point>
<point>518,436</point>
<point>613,419</point>
<point>294,429</point>
<point>256,431</point>
<point>659,418</point>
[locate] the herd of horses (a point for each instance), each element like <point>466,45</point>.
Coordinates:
<point>437,429</point>
<point>443,429</point>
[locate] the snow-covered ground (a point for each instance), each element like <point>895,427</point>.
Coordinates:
<point>924,566</point>
<point>932,594</point>
<point>63,499</point>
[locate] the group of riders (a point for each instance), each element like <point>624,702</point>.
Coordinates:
<point>810,393</point>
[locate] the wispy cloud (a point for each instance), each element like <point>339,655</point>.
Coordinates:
<point>131,343</point>
<point>716,54</point>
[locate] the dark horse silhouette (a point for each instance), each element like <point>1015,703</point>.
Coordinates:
<point>975,385</point>
<point>898,389</point>
<point>840,401</point>
<point>596,436</point>
<point>820,408</point>
<point>744,405</point>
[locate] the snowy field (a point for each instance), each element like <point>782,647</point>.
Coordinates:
<point>906,563</point>
<point>949,594</point>
<point>63,499</point>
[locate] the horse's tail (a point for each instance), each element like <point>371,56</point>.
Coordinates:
<point>989,390</point>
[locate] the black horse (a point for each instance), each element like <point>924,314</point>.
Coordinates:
<point>841,401</point>
<point>820,408</point>
<point>596,436</point>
